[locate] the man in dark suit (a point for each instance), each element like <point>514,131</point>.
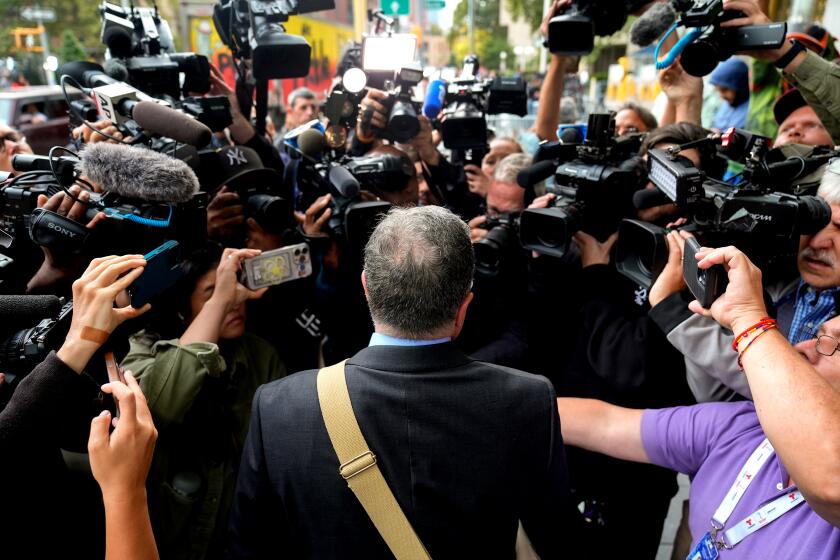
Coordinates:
<point>467,448</point>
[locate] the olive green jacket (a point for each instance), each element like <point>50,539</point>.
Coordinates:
<point>201,404</point>
<point>819,81</point>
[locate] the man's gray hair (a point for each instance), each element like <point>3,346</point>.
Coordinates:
<point>418,270</point>
<point>299,93</point>
<point>510,166</point>
<point>830,183</point>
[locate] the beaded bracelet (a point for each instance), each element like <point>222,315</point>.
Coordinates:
<point>746,334</point>
<point>760,331</point>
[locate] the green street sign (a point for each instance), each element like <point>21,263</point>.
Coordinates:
<point>394,7</point>
<point>435,4</point>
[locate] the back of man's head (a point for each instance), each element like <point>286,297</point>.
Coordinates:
<point>418,270</point>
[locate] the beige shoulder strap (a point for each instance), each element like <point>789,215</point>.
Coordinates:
<point>359,468</point>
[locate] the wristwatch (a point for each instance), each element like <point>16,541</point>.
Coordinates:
<point>795,48</point>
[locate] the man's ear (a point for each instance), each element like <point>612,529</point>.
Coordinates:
<point>364,284</point>
<point>461,316</point>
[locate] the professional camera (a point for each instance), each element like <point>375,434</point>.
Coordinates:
<point>403,124</point>
<point>142,40</point>
<point>463,124</point>
<point>253,30</point>
<point>502,238</point>
<point>133,223</point>
<point>22,350</point>
<point>760,216</point>
<point>594,188</point>
<point>717,43</point>
<point>573,32</point>
<point>213,112</point>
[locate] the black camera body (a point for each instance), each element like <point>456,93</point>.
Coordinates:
<point>253,30</point>
<point>403,124</point>
<point>717,44</point>
<point>22,350</point>
<point>502,238</point>
<point>594,190</point>
<point>573,32</point>
<point>463,123</point>
<point>213,112</point>
<point>381,172</point>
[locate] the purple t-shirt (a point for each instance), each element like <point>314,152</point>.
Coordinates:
<point>710,443</point>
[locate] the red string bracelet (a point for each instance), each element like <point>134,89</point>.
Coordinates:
<point>758,332</point>
<point>748,332</point>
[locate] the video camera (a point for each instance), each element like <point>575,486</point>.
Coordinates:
<point>130,218</point>
<point>253,30</point>
<point>21,350</point>
<point>573,32</point>
<point>594,183</point>
<point>760,216</point>
<point>464,104</point>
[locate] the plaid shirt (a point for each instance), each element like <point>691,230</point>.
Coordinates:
<point>812,309</point>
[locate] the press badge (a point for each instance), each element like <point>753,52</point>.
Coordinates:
<point>705,549</point>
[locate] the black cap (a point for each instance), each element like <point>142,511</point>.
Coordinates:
<point>237,165</point>
<point>786,104</point>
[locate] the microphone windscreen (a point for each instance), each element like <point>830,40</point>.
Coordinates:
<point>138,173</point>
<point>653,24</point>
<point>87,74</point>
<point>344,182</point>
<point>20,312</point>
<point>164,121</point>
<point>435,95</point>
<point>311,143</point>
<point>648,198</point>
<point>530,176</point>
<point>116,69</point>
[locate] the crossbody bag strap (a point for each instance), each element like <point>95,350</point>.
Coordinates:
<point>359,468</point>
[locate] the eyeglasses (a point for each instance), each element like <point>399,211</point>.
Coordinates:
<point>827,345</point>
<point>11,136</point>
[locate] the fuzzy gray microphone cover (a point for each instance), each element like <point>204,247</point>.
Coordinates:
<point>138,173</point>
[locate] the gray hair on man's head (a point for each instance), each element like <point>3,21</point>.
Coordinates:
<point>510,166</point>
<point>418,270</point>
<point>830,184</point>
<point>299,93</point>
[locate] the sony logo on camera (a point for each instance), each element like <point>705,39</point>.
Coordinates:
<point>62,230</point>
<point>762,217</point>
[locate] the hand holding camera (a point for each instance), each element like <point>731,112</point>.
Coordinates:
<point>225,214</point>
<point>742,304</point>
<point>373,115</point>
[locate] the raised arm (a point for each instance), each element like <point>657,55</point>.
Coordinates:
<point>602,427</point>
<point>797,405</point>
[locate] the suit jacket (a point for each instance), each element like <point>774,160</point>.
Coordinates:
<point>467,448</point>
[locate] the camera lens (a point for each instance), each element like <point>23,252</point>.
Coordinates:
<point>489,251</point>
<point>700,58</point>
<point>403,124</point>
<point>272,213</point>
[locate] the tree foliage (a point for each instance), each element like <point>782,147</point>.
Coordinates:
<point>529,10</point>
<point>82,16</point>
<point>71,49</point>
<point>490,36</point>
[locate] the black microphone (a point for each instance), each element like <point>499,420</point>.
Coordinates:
<point>344,182</point>
<point>164,121</point>
<point>116,69</point>
<point>24,311</point>
<point>648,198</point>
<point>311,143</point>
<point>571,135</point>
<point>653,24</point>
<point>536,173</point>
<point>87,74</point>
<point>138,173</point>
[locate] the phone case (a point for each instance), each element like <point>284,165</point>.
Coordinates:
<point>163,269</point>
<point>277,266</point>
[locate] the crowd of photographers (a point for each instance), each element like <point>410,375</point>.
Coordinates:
<point>591,269</point>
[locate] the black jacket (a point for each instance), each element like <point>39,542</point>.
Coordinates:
<point>467,448</point>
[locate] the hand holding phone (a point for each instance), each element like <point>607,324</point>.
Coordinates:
<point>277,266</point>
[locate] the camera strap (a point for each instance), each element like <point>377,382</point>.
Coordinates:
<point>358,466</point>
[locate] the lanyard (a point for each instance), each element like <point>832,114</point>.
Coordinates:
<point>762,516</point>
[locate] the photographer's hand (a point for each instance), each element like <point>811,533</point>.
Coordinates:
<point>89,135</point>
<point>742,305</point>
<point>120,462</point>
<point>240,129</point>
<point>373,115</point>
<point>477,232</point>
<point>94,314</point>
<point>258,238</point>
<point>670,280</point>
<point>424,143</point>
<point>316,217</point>
<point>225,214</point>
<point>477,180</point>
<point>593,251</point>
<point>684,93</point>
<point>754,16</point>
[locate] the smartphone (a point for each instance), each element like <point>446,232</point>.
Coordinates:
<point>277,266</point>
<point>706,285</point>
<point>115,373</point>
<point>163,269</point>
